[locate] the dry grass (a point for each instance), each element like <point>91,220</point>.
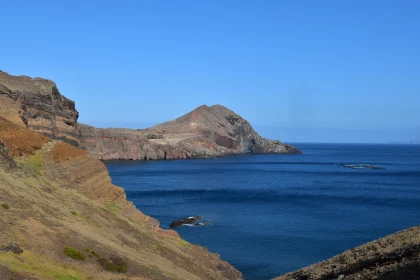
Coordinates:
<point>20,141</point>
<point>383,258</point>
<point>63,152</point>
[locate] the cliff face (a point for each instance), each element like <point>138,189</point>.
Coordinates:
<point>396,256</point>
<point>204,132</point>
<point>54,196</point>
<point>37,104</point>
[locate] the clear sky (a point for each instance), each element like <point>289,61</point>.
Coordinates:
<point>325,71</point>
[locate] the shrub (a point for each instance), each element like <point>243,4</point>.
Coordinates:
<point>5,206</point>
<point>74,254</point>
<point>113,264</point>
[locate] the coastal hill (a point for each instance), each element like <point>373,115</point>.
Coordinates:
<point>62,218</point>
<point>36,103</point>
<point>396,256</point>
<point>204,132</point>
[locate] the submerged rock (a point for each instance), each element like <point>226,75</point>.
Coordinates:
<point>188,221</point>
<point>361,166</point>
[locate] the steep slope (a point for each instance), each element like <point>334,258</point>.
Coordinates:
<point>396,256</point>
<point>37,104</point>
<point>204,132</point>
<point>59,205</point>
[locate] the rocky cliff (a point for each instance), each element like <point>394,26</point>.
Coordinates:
<point>396,256</point>
<point>36,103</point>
<point>62,218</point>
<point>205,132</point>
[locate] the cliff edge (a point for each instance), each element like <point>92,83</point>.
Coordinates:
<point>62,218</point>
<point>37,103</point>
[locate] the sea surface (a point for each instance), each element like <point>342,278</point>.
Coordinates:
<point>271,214</point>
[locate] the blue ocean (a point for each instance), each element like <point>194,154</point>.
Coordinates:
<point>271,214</point>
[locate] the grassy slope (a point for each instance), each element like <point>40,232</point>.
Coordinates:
<point>396,256</point>
<point>53,203</point>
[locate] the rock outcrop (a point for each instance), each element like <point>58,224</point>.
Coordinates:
<point>396,256</point>
<point>36,103</point>
<point>66,220</point>
<point>205,132</point>
<point>193,220</point>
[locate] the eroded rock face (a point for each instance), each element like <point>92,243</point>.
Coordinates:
<point>36,103</point>
<point>204,132</point>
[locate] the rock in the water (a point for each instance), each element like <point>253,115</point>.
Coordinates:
<point>12,247</point>
<point>187,221</point>
<point>361,166</point>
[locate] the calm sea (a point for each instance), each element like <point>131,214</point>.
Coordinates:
<point>271,214</point>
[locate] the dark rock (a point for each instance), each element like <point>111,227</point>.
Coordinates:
<point>13,247</point>
<point>186,221</point>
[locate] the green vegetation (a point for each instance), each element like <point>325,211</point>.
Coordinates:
<point>91,252</point>
<point>113,264</point>
<point>74,254</point>
<point>33,264</point>
<point>34,163</point>
<point>112,206</point>
<point>5,206</point>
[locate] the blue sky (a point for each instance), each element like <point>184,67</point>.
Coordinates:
<point>324,71</point>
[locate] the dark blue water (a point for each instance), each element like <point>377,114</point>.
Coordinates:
<point>272,214</point>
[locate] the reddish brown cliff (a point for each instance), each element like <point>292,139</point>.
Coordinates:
<point>36,103</point>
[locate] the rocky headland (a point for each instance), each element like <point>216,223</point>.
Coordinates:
<point>205,132</point>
